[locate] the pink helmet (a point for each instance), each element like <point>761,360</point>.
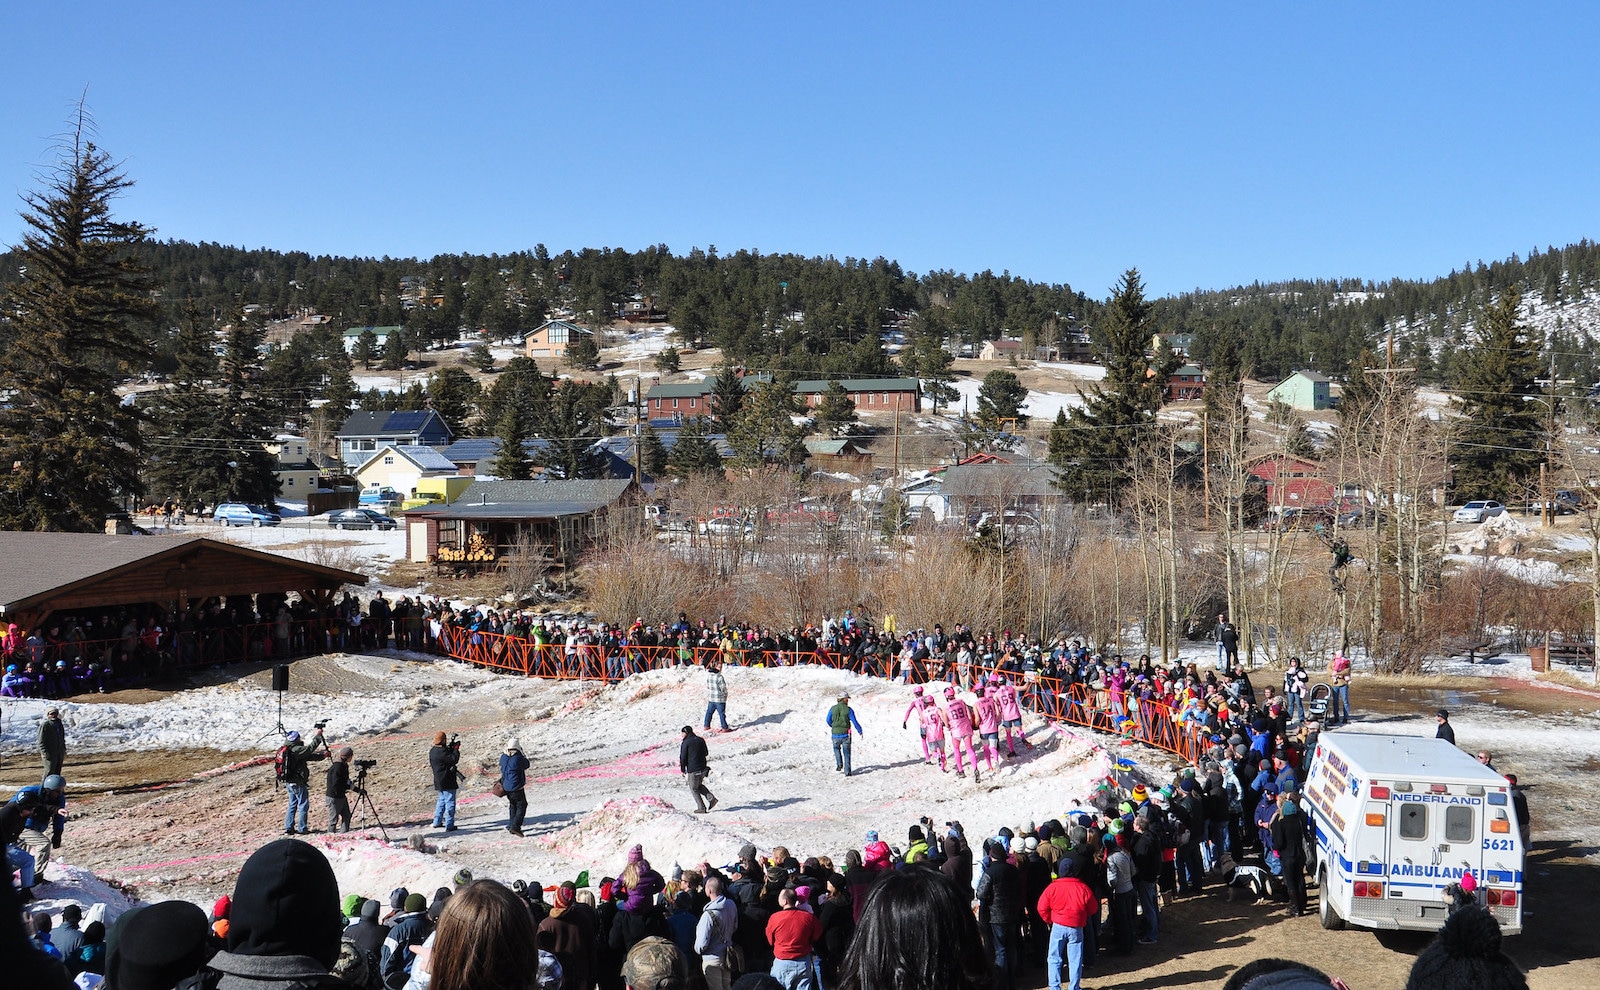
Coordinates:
<point>950,692</point>
<point>991,691</point>
<point>917,690</point>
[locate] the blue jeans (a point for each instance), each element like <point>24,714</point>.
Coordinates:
<point>299,808</point>
<point>1341,703</point>
<point>444,810</point>
<point>721,710</point>
<point>1150,905</point>
<point>1007,954</point>
<point>794,974</point>
<point>841,752</point>
<point>1297,707</point>
<point>1071,939</point>
<point>21,860</point>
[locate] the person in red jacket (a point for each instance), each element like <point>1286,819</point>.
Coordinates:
<point>1067,906</point>
<point>791,933</point>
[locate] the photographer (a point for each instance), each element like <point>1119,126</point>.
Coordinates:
<point>442,759</point>
<point>337,795</point>
<point>296,775</point>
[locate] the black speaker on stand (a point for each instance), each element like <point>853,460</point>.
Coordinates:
<point>280,684</point>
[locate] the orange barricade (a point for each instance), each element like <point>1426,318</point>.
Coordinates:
<point>1146,722</point>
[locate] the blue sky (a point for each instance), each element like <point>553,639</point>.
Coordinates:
<point>1208,144</point>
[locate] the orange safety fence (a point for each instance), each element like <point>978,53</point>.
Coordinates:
<point>1147,722</point>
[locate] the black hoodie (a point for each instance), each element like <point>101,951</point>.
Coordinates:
<point>285,923</point>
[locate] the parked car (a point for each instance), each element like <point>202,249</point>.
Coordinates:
<point>359,519</point>
<point>1478,511</point>
<point>727,526</point>
<point>378,496</point>
<point>244,514</point>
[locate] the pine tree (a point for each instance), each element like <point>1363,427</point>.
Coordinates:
<point>1000,399</point>
<point>366,348</point>
<point>244,420</point>
<point>693,452</point>
<point>520,386</point>
<point>1500,443</point>
<point>481,357</point>
<point>835,415</point>
<point>727,396</point>
<point>652,453</point>
<point>571,423</point>
<point>82,306</point>
<point>396,348</point>
<point>1094,453</point>
<point>667,362</point>
<point>454,395</point>
<point>765,429</point>
<point>582,352</point>
<point>512,462</point>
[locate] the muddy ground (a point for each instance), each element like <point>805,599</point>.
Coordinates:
<point>183,821</point>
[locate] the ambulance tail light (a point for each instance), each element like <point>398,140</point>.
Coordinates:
<point>1493,898</point>
<point>1375,818</point>
<point>1379,793</point>
<point>1374,890</point>
<point>1361,888</point>
<point>1438,789</point>
<point>1500,825</point>
<point>1508,898</point>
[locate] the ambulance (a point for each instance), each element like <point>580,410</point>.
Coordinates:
<point>1400,818</point>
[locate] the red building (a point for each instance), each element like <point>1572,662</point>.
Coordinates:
<point>677,402</point>
<point>1293,481</point>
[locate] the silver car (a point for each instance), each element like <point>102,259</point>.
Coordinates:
<point>1477,512</point>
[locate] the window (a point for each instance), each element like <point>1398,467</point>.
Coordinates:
<point>388,460</point>
<point>291,483</point>
<point>674,403</point>
<point>1413,821</point>
<point>1458,823</point>
<point>366,445</point>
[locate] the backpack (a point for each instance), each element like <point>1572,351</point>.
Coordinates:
<point>280,763</point>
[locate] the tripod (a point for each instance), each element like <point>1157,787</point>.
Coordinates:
<point>364,802</point>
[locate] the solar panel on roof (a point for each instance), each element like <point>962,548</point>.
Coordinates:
<point>406,420</point>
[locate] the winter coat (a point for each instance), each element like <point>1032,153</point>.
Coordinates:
<point>513,772</point>
<point>838,928</point>
<point>53,739</point>
<point>715,930</point>
<point>957,861</point>
<point>442,761</point>
<point>692,755</point>
<point>1000,890</point>
<point>572,940</point>
<point>629,927</point>
<point>1068,902</point>
<point>876,855</point>
<point>407,932</point>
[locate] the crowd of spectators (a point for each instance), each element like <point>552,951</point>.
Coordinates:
<point>939,911</point>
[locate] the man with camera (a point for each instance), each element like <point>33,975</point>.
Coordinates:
<point>296,775</point>
<point>442,759</point>
<point>337,796</point>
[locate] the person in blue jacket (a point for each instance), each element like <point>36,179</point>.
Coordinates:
<point>840,718</point>
<point>514,780</point>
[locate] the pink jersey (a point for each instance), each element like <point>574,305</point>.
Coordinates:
<point>1010,706</point>
<point>933,721</point>
<point>960,719</point>
<point>988,715</point>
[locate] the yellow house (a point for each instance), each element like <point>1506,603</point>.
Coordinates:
<point>297,473</point>
<point>551,339</point>
<point>401,467</point>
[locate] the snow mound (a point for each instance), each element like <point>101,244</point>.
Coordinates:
<point>1501,534</point>
<point>669,836</point>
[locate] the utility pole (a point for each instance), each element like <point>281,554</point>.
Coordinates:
<point>1205,461</point>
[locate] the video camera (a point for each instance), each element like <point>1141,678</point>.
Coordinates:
<point>455,741</point>
<point>366,764</point>
<point>322,724</point>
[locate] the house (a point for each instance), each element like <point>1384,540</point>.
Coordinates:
<point>297,471</point>
<point>476,455</point>
<point>400,466</point>
<point>1293,481</point>
<point>1177,343</point>
<point>492,517</point>
<point>971,489</point>
<point>364,433</point>
<point>845,455</point>
<point>925,496</point>
<point>353,334</point>
<point>1308,390</point>
<point>669,405</point>
<point>1075,347</point>
<point>552,338</point>
<point>1187,384</point>
<point>1000,350</point>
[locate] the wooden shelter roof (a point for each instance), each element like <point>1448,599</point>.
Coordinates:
<point>48,572</point>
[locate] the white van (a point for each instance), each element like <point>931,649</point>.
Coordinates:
<point>1400,818</point>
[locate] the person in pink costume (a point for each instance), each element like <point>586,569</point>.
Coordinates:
<point>1011,716</point>
<point>959,717</point>
<point>934,725</point>
<point>915,708</point>
<point>989,725</point>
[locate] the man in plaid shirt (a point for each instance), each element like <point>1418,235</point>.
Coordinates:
<point>716,695</point>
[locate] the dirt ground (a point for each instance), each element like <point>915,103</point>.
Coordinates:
<point>156,829</point>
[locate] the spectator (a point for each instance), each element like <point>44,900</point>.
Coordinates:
<point>284,924</point>
<point>999,896</point>
<point>1444,731</point>
<point>410,929</point>
<point>68,937</point>
<point>160,946</point>
<point>1519,805</point>
<point>52,741</point>
<point>296,775</point>
<point>1277,974</point>
<point>1466,953</point>
<point>514,781</point>
<point>917,932</point>
<point>485,941</point>
<point>716,695</point>
<point>571,936</point>
<point>368,934</point>
<point>1146,853</point>
<point>336,796</point>
<point>654,964</point>
<point>713,937</point>
<point>1288,841</point>
<point>837,917</point>
<point>91,954</point>
<point>41,935</point>
<point>792,933</point>
<point>1068,906</point>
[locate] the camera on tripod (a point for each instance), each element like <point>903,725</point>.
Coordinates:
<point>455,740</point>
<point>366,764</point>
<point>322,724</point>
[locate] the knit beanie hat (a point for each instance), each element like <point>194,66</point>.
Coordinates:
<point>160,946</point>
<point>397,898</point>
<point>350,905</point>
<point>564,896</point>
<point>370,910</point>
<point>1466,953</point>
<point>415,903</point>
<point>1140,795</point>
<point>636,854</point>
<point>286,903</point>
<point>463,878</point>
